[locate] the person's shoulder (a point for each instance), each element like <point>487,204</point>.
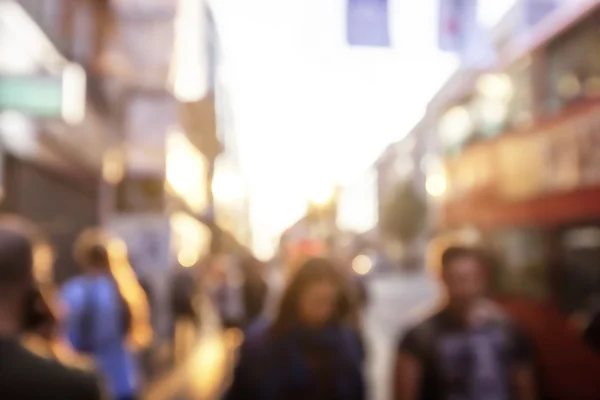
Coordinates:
<point>73,284</point>
<point>495,315</point>
<point>73,290</point>
<point>419,335</point>
<point>42,375</point>
<point>77,382</point>
<point>425,322</point>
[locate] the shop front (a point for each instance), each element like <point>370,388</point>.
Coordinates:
<point>48,176</point>
<point>61,205</point>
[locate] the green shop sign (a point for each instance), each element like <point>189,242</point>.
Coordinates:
<point>32,95</point>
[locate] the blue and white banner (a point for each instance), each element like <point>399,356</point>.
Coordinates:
<point>460,32</point>
<point>368,23</point>
<point>458,19</point>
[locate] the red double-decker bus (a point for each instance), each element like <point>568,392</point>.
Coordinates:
<point>523,170</point>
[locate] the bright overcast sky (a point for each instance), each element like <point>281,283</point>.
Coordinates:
<point>310,110</point>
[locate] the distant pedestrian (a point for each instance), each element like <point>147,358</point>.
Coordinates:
<point>254,288</point>
<point>186,318</point>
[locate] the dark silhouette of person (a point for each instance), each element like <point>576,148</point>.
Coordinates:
<point>25,375</point>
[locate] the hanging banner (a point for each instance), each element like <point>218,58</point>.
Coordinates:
<point>460,32</point>
<point>367,23</point>
<point>457,18</point>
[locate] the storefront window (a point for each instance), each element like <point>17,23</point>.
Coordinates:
<point>494,93</point>
<point>520,104</point>
<point>522,264</point>
<point>574,65</point>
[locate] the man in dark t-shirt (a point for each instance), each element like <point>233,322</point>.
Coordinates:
<point>24,375</point>
<point>470,350</point>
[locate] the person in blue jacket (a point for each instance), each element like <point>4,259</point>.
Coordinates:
<point>99,320</point>
<point>310,351</point>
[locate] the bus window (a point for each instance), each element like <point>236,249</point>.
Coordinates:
<point>580,269</point>
<point>522,264</point>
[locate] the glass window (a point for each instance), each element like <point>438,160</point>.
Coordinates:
<point>520,104</point>
<point>579,268</point>
<point>456,127</point>
<point>574,65</point>
<point>522,264</point>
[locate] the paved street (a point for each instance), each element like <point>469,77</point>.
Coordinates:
<point>396,300</point>
<point>202,373</point>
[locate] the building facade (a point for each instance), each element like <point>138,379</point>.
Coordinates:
<point>54,116</point>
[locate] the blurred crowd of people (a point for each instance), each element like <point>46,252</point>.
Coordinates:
<point>79,341</point>
<point>311,348</point>
<point>303,337</point>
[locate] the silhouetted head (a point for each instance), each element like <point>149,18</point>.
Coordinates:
<point>16,257</point>
<point>316,296</point>
<point>25,271</point>
<point>464,274</point>
<point>91,251</point>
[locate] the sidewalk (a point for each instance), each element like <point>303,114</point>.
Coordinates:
<point>204,373</point>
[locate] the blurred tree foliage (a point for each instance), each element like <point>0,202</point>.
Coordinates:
<point>404,216</point>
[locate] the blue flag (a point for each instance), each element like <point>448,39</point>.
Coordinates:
<point>367,23</point>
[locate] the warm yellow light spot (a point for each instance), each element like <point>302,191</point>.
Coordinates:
<point>74,87</point>
<point>186,171</point>
<point>132,292</point>
<point>568,86</point>
<point>187,258</point>
<point>190,239</point>
<point>113,166</point>
<point>43,261</point>
<point>321,194</point>
<point>456,125</point>
<point>212,359</point>
<point>495,86</point>
<point>436,185</point>
<point>362,264</point>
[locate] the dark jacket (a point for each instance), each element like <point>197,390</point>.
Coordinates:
<point>28,376</point>
<point>299,365</point>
